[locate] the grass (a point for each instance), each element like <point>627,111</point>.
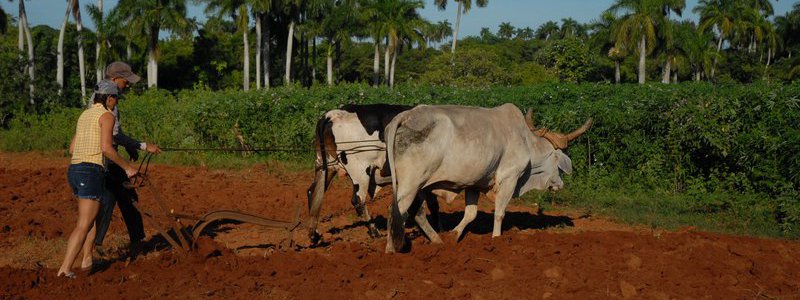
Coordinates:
<point>739,214</point>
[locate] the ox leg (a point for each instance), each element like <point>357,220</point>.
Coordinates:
<point>470,212</point>
<point>433,208</point>
<point>398,213</point>
<point>315,196</point>
<point>368,195</point>
<point>502,197</point>
<point>422,221</point>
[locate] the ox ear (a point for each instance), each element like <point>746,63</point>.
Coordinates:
<point>564,162</point>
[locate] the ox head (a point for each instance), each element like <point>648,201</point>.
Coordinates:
<point>547,158</point>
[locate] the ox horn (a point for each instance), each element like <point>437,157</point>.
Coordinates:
<point>529,119</point>
<point>575,134</point>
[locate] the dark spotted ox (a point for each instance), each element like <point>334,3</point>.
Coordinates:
<point>350,141</point>
<point>446,149</point>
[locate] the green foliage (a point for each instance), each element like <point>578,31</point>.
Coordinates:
<point>732,151</point>
<point>571,58</point>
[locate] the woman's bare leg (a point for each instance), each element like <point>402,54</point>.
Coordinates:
<point>87,211</point>
<point>88,248</point>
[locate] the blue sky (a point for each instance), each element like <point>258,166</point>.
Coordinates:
<point>520,13</point>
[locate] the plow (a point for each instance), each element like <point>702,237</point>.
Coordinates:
<point>183,237</point>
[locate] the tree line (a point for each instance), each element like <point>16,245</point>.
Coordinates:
<point>384,41</point>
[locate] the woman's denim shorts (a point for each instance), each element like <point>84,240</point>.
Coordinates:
<point>87,180</point>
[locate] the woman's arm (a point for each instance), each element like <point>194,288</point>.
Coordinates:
<point>72,145</point>
<point>106,138</point>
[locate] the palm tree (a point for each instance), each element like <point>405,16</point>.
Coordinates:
<point>150,17</point>
<point>372,16</point>
<point>76,14</point>
<point>788,29</point>
<point>525,33</point>
<point>60,50</point>
<point>261,10</point>
<point>639,25</point>
<point>698,48</point>
<point>570,28</point>
<point>239,12</point>
<point>505,31</point>
<point>25,31</point>
<point>340,19</point>
<point>103,33</point>
<point>718,13</point>
<point>401,22</point>
<point>604,37</point>
<point>463,7</point>
<point>3,21</point>
<point>547,30</point>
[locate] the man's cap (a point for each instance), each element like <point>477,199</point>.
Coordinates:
<point>106,87</point>
<point>121,70</point>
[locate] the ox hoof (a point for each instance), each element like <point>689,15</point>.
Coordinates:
<point>374,233</point>
<point>314,237</point>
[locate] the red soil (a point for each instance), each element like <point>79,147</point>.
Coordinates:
<point>539,256</point>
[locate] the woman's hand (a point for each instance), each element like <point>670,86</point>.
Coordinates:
<point>131,171</point>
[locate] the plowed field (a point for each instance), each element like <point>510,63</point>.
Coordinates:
<point>556,255</point>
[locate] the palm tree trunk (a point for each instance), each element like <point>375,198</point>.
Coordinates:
<point>313,60</point>
<point>152,62</point>
<point>458,26</point>
<point>60,52</point>
<point>394,61</point>
<point>616,72</point>
<point>376,64</point>
<point>21,29</point>
<point>287,78</point>
<point>330,65</point>
<point>667,69</point>
<point>714,65</point>
<point>642,66</point>
<point>258,51</point>
<point>246,71</point>
<point>81,62</point>
<point>98,62</point>
<point>386,62</point>
<point>265,61</point>
<point>675,76</point>
<point>23,18</point>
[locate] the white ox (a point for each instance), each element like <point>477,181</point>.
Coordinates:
<point>350,141</point>
<point>447,149</point>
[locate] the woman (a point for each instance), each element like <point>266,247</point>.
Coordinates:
<point>90,146</point>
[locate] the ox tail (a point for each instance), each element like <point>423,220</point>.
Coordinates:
<point>317,189</point>
<point>396,222</point>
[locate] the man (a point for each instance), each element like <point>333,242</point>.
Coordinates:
<point>120,73</point>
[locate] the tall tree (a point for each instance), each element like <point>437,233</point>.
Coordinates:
<point>788,29</point>
<point>102,33</point>
<point>60,50</point>
<point>25,30</point>
<point>719,14</point>
<point>464,6</point>
<point>604,38</point>
<point>261,13</point>
<point>638,25</point>
<point>76,14</point>
<point>698,46</point>
<point>239,12</point>
<point>338,26</point>
<point>505,30</point>
<point>3,21</point>
<point>547,30</point>
<point>571,28</point>
<point>150,17</point>
<point>401,23</point>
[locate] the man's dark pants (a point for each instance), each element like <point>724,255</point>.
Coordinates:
<point>124,198</point>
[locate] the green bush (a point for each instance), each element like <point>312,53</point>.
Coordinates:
<point>690,140</point>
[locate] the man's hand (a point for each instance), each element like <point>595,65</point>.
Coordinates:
<point>153,148</point>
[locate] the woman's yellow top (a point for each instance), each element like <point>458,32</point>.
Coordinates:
<point>87,137</point>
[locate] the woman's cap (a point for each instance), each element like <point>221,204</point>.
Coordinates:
<point>106,87</point>
<point>121,70</point>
